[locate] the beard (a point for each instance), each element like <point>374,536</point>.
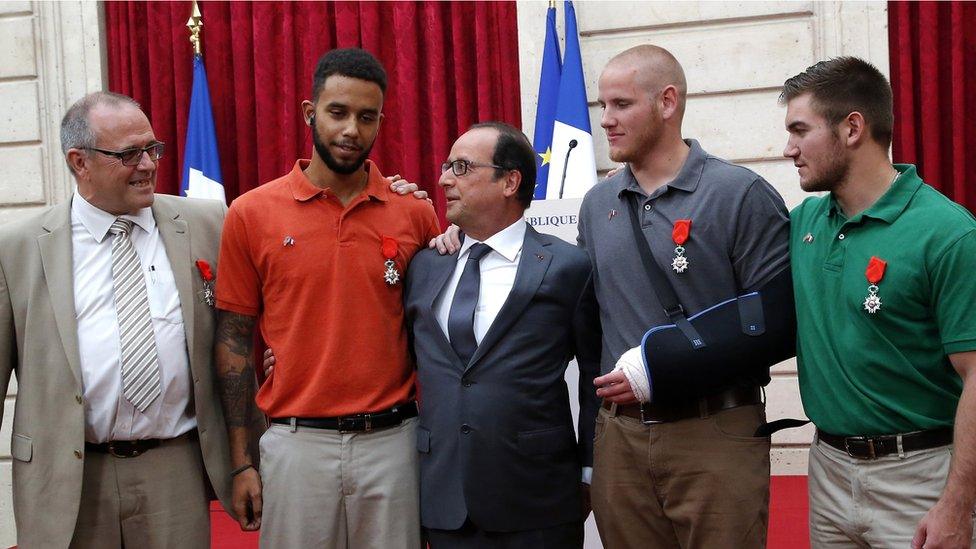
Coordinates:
<point>832,173</point>
<point>338,167</point>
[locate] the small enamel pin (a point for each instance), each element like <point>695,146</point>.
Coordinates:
<point>874,274</point>
<point>808,238</point>
<point>611,214</point>
<point>289,241</point>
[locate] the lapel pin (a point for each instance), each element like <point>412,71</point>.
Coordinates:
<point>540,257</point>
<point>808,238</point>
<point>611,214</point>
<point>289,241</point>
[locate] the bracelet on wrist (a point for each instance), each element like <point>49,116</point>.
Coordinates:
<point>241,469</point>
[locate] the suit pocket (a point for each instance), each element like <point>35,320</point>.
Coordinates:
<point>21,447</point>
<point>423,440</point>
<point>547,441</point>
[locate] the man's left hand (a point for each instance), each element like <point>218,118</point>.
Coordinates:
<point>401,186</point>
<point>615,388</point>
<point>945,526</point>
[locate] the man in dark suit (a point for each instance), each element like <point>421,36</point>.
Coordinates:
<point>493,328</point>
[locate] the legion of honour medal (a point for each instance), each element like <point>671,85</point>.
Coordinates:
<point>389,248</point>
<point>680,233</point>
<point>874,274</point>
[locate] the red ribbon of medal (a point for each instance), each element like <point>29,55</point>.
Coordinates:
<point>874,273</point>
<point>389,249</point>
<point>206,273</point>
<point>680,234</point>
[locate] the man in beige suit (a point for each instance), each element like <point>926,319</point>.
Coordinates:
<point>108,322</point>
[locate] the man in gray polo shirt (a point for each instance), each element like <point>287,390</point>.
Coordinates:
<point>699,478</point>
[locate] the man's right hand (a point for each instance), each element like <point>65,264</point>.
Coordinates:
<point>246,499</point>
<point>447,243</point>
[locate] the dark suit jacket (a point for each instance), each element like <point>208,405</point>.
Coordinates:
<point>496,436</point>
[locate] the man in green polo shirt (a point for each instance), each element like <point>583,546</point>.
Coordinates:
<point>882,268</point>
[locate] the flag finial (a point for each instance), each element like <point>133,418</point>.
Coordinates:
<point>195,24</point>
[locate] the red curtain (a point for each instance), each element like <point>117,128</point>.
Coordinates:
<point>449,64</point>
<point>933,73</point>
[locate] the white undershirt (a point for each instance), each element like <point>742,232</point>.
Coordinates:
<point>498,268</point>
<point>108,415</point>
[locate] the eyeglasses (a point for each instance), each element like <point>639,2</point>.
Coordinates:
<point>461,167</point>
<point>132,157</point>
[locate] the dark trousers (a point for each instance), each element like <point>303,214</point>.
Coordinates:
<point>469,536</point>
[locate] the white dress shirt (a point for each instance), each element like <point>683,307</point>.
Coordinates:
<point>498,268</point>
<point>108,415</point>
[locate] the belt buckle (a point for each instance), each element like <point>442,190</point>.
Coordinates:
<point>367,422</point>
<point>868,443</point>
<point>646,421</point>
<point>113,450</point>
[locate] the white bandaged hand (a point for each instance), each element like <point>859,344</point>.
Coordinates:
<point>631,364</point>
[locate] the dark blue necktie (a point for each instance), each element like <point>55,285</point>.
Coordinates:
<point>460,321</point>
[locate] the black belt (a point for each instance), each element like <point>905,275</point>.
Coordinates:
<point>666,412</point>
<point>873,447</point>
<point>355,423</point>
<point>133,448</point>
<point>123,448</point>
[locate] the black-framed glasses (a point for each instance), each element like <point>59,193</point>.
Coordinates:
<point>132,157</point>
<point>461,167</point>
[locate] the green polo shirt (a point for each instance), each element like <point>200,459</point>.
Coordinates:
<point>887,372</point>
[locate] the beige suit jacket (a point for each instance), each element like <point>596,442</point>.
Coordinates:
<point>39,341</point>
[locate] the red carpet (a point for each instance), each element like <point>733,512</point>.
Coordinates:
<point>787,519</point>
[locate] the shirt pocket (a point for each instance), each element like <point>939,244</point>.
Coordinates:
<point>164,298</point>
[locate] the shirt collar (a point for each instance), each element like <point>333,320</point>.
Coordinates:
<point>303,190</point>
<point>894,201</point>
<point>687,179</point>
<point>507,242</point>
<point>97,222</point>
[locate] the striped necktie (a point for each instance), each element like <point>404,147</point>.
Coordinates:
<point>140,367</point>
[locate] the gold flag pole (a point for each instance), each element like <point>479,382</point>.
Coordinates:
<point>195,24</point>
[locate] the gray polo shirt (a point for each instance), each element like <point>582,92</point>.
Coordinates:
<point>739,240</point>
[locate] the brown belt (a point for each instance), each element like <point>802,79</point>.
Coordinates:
<point>666,412</point>
<point>873,447</point>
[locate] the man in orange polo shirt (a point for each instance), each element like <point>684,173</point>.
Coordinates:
<point>319,257</point>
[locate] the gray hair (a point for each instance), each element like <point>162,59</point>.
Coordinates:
<point>76,132</point>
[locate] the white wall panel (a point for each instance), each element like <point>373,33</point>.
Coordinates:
<point>19,112</point>
<point>615,16</point>
<point>717,59</point>
<point>17,47</point>
<point>15,7</point>
<point>26,185</point>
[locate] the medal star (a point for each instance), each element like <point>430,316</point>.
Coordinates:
<point>872,304</point>
<point>391,276</point>
<point>546,156</point>
<point>680,264</point>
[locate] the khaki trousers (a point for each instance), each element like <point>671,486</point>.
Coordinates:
<point>332,490</point>
<point>872,503</point>
<point>155,500</point>
<point>697,483</point>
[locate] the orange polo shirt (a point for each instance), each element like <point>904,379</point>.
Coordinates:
<point>313,271</point>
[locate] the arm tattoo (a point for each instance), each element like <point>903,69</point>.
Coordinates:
<point>235,371</point>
